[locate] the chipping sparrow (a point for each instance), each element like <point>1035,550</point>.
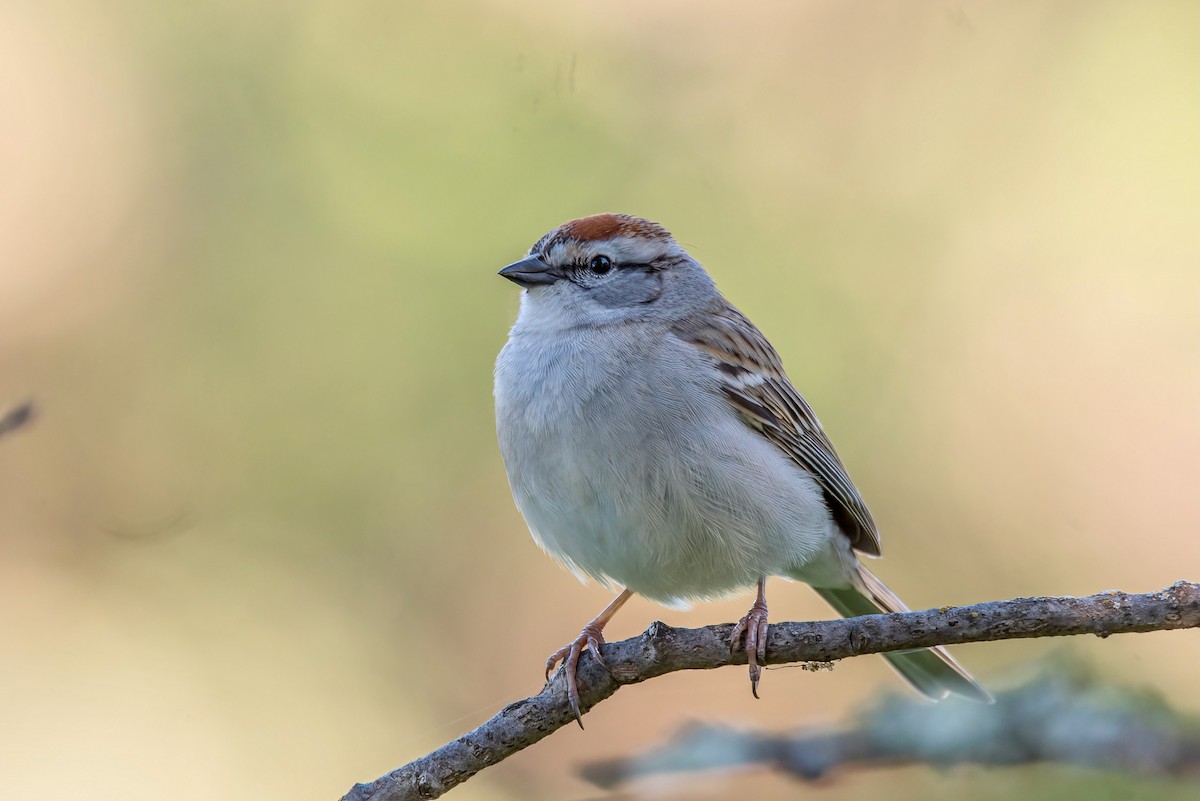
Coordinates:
<point>653,441</point>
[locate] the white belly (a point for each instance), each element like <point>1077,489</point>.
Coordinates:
<point>667,493</point>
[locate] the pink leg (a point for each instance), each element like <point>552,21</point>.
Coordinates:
<point>751,631</point>
<point>591,638</point>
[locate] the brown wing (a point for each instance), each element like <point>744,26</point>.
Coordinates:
<point>752,378</point>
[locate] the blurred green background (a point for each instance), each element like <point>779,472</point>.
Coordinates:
<point>259,540</point>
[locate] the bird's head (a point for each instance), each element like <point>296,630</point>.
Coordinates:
<point>608,268</point>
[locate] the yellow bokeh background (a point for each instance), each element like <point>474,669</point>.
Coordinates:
<point>258,540</point>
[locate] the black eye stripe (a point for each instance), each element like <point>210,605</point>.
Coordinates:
<point>581,271</point>
<point>623,265</point>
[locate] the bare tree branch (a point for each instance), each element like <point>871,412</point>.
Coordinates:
<point>1062,717</point>
<point>662,649</point>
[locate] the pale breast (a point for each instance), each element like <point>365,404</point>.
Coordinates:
<point>631,472</point>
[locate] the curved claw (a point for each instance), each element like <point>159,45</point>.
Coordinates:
<point>555,658</point>
<point>593,644</point>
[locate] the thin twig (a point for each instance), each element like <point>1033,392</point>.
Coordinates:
<point>16,418</point>
<point>662,649</point>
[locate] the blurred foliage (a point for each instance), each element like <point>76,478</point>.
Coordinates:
<point>258,534</point>
<point>1063,717</point>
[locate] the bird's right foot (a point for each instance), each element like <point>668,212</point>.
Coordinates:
<point>590,639</point>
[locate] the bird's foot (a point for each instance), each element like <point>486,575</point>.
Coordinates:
<point>751,632</point>
<point>591,638</point>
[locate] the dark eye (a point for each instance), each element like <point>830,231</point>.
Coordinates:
<point>600,265</point>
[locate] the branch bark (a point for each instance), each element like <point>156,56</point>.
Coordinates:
<point>663,649</point>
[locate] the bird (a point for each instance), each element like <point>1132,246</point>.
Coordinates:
<point>653,443</point>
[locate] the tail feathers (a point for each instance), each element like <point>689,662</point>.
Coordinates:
<point>931,671</point>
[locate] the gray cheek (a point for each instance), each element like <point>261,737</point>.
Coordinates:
<point>631,288</point>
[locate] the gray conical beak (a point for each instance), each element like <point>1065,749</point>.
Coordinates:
<point>531,271</point>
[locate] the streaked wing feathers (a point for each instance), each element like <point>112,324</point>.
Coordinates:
<point>752,378</point>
